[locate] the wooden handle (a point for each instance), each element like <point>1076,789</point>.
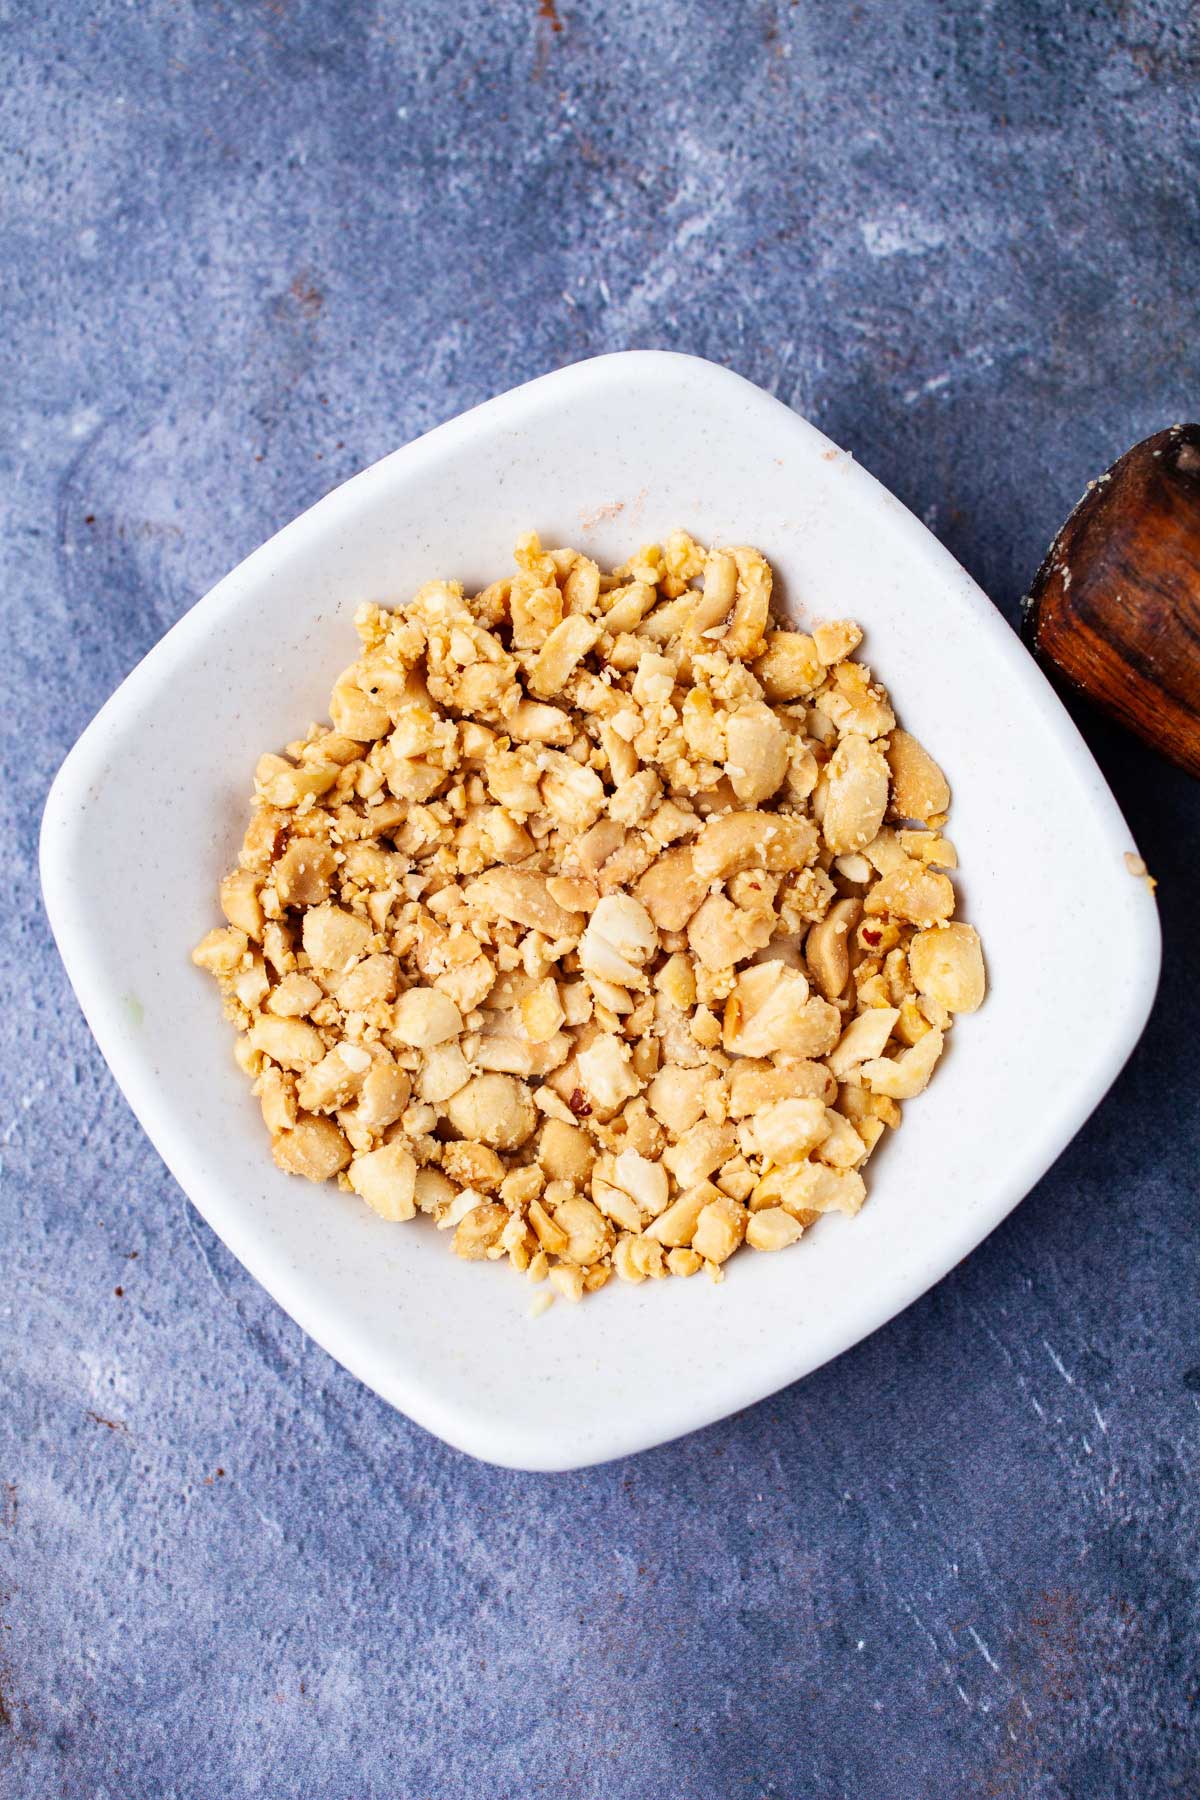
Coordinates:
<point>1115,607</point>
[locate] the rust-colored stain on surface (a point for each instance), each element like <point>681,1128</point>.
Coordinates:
<point>307,295</point>
<point>8,1524</point>
<point>109,1424</point>
<point>548,10</point>
<point>1056,1633</point>
<point>1049,1677</point>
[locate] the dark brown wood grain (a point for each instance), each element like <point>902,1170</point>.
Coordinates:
<point>1115,607</point>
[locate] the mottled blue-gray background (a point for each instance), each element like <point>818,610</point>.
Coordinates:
<point>246,248</point>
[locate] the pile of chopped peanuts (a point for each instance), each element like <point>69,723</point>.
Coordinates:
<point>608,924</point>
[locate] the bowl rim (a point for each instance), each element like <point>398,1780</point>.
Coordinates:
<point>500,1441</point>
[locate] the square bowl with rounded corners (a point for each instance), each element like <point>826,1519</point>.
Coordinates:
<point>148,809</point>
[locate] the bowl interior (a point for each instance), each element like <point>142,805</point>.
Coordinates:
<point>148,812</point>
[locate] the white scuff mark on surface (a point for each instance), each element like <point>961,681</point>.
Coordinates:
<point>84,421</point>
<point>934,385</point>
<point>983,1650</point>
<point>919,1622</point>
<point>200,1246</point>
<point>107,1379</point>
<point>901,233</point>
<point>271,1524</point>
<point>978,358</point>
<point>1099,1418</point>
<point>702,201</point>
<point>983,1325</point>
<point>1056,1359</point>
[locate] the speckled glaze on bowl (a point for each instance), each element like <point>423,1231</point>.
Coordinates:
<point>147,812</point>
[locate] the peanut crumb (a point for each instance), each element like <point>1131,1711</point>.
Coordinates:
<point>1136,866</point>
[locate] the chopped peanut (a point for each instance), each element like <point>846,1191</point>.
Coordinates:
<point>334,938</point>
<point>720,1229</point>
<point>836,639</point>
<point>567,1280</point>
<point>304,871</point>
<point>588,1233</point>
<point>684,1262</point>
<point>770,1010</point>
<point>863,1038</point>
<point>919,789</point>
<point>644,1181</point>
<point>291,1043</point>
<point>606,1074</point>
<point>240,901</point>
<point>677,1224</point>
<point>772,1228</point>
<point>785,1130</point>
<point>221,951</point>
<point>756,752</point>
<point>542,1011</point>
<point>758,1084</point>
<point>789,668</point>
<point>566,646</point>
<point>524,943</point>
<point>921,896</point>
<point>619,939</point>
<point>857,794</point>
<point>493,1109</point>
<point>903,1077</point>
<point>294,997</point>
<point>335,1080</point>
<point>387,1179</point>
<point>671,888</point>
<point>947,964</point>
<point>827,947</point>
<point>676,1097</point>
<point>565,1152</point>
<point>478,1230</point>
<point>314,1148</point>
<point>523,898</point>
<point>753,840</point>
<point>423,1017</point>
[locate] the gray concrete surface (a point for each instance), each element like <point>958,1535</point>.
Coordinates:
<point>245,248</point>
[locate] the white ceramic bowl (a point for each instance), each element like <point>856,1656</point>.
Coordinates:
<point>147,812</point>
